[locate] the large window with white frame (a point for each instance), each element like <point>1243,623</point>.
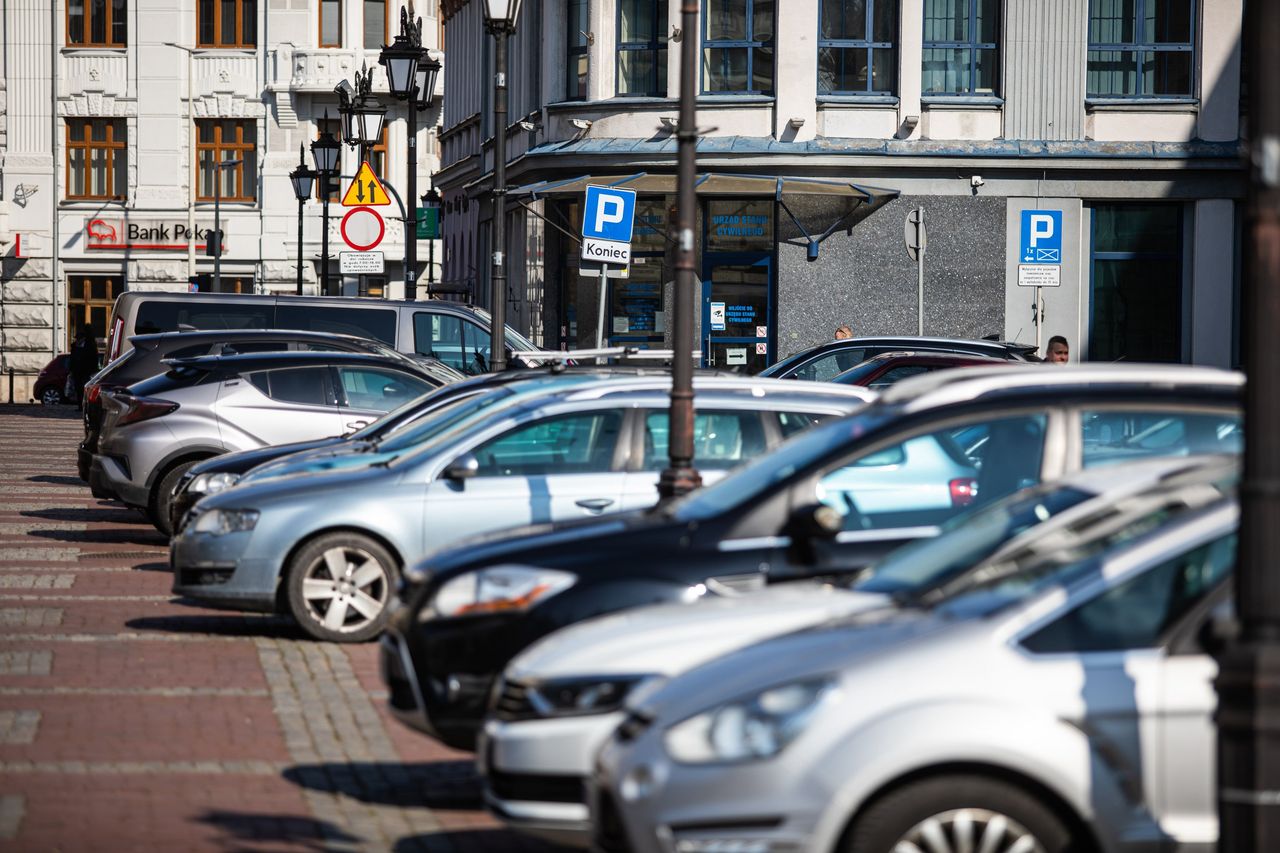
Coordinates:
<point>218,140</point>
<point>1141,49</point>
<point>961,53</point>
<point>642,47</point>
<point>97,23</point>
<point>857,47</point>
<point>330,33</point>
<point>97,159</point>
<point>375,24</point>
<point>738,47</point>
<point>226,23</point>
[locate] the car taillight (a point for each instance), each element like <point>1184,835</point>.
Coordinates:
<point>113,345</point>
<point>143,409</point>
<point>91,393</point>
<point>963,491</point>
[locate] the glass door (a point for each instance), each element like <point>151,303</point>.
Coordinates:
<point>737,311</point>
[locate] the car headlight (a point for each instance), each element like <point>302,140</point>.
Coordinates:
<point>748,729</point>
<point>501,589</point>
<point>213,482</point>
<point>220,521</point>
<point>571,697</point>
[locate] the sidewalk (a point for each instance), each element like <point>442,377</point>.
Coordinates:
<point>129,721</point>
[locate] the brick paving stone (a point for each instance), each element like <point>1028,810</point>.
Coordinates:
<point>125,665</point>
<point>30,617</point>
<point>26,663</point>
<point>19,726</point>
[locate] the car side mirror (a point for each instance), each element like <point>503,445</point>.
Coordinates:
<point>464,467</point>
<point>816,521</point>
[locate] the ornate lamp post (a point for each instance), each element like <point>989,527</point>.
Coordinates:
<point>680,476</point>
<point>431,201</point>
<point>500,20</point>
<point>362,115</point>
<point>411,76</point>
<point>302,179</point>
<point>325,151</point>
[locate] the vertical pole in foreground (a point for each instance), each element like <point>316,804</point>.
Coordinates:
<point>411,181</point>
<point>1249,677</point>
<point>324,235</point>
<point>301,207</point>
<point>680,477</point>
<point>498,277</point>
<point>217,227</point>
<point>920,275</point>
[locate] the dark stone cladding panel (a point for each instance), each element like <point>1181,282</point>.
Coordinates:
<point>866,279</point>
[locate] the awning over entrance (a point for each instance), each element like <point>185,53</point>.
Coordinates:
<point>855,201</point>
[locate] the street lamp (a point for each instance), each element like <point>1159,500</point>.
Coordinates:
<point>411,76</point>
<point>500,20</point>
<point>362,115</point>
<point>217,219</point>
<point>325,150</point>
<point>431,202</point>
<point>680,477</point>
<point>302,179</point>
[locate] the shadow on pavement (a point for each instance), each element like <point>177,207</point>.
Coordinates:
<point>60,413</point>
<point>446,785</point>
<point>275,627</point>
<point>154,567</point>
<point>249,831</point>
<point>131,536</point>
<point>480,840</point>
<point>54,480</point>
<point>100,515</point>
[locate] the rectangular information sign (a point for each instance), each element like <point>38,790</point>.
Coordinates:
<point>361,263</point>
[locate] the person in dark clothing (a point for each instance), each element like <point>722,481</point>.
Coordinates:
<point>84,360</point>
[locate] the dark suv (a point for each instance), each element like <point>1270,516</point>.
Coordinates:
<point>148,353</point>
<point>825,361</point>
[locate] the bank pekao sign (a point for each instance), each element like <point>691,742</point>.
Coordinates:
<point>150,235</point>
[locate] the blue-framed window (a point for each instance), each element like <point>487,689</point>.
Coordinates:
<point>1136,269</point>
<point>1141,49</point>
<point>642,47</point>
<point>737,47</point>
<point>576,62</point>
<point>857,47</point>
<point>961,47</point>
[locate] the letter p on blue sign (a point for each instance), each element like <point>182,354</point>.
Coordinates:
<point>609,214</point>
<point>1041,237</point>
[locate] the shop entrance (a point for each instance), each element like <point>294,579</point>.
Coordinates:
<point>737,312</point>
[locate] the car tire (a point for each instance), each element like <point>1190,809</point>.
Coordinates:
<point>51,397</point>
<point>340,587</point>
<point>162,496</point>
<point>942,807</point>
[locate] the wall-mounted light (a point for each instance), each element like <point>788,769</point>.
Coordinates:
<point>531,126</point>
<point>668,122</point>
<point>581,123</point>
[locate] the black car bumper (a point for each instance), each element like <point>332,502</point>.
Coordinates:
<point>84,460</point>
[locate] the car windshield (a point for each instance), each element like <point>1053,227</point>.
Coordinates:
<point>749,482</point>
<point>417,433</point>
<point>966,540</point>
<point>781,368</point>
<point>856,375</point>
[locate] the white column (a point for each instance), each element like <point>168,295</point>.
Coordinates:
<point>602,53</point>
<point>1220,70</point>
<point>673,48</point>
<point>1212,274</point>
<point>910,41</point>
<point>796,71</point>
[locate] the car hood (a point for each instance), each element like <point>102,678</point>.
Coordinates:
<point>243,460</point>
<point>819,651</point>
<point>341,457</point>
<point>668,639</point>
<point>314,489</point>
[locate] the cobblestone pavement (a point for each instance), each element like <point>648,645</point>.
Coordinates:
<point>132,721</point>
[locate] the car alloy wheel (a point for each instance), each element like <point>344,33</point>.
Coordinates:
<point>340,587</point>
<point>966,830</point>
<point>51,397</point>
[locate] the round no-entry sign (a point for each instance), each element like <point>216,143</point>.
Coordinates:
<point>362,228</point>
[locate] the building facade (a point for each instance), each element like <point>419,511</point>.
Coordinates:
<point>112,119</point>
<point>1115,123</point>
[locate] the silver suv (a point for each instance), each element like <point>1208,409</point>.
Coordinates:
<point>153,431</point>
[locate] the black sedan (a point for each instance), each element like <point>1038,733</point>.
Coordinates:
<point>835,498</point>
<point>825,361</point>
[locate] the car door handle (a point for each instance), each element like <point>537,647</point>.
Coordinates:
<point>357,424</point>
<point>595,504</point>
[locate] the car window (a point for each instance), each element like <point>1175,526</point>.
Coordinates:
<point>160,316</point>
<point>306,385</point>
<point>581,443</point>
<point>1113,436</point>
<point>721,439</point>
<point>793,422</point>
<point>897,374</point>
<point>376,323</point>
<point>826,367</point>
<point>380,390</point>
<point>931,476</point>
<point>440,336</point>
<point>1136,613</point>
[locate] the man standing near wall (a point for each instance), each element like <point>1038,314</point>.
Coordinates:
<point>1058,351</point>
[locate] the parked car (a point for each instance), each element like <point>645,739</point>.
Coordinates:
<point>1065,705</point>
<point>559,700</point>
<point>156,429</point>
<point>881,371</point>
<point>146,355</point>
<point>470,609</point>
<point>51,382</point>
<point>222,472</point>
<point>826,361</point>
<point>329,545</point>
<point>455,334</point>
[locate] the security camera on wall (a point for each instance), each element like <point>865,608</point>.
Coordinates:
<point>582,123</point>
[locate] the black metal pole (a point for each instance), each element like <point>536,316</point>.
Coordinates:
<point>498,282</point>
<point>680,477</point>
<point>1249,671</point>
<point>431,256</point>
<point>301,205</point>
<point>411,223</point>
<point>324,236</point>
<point>217,227</point>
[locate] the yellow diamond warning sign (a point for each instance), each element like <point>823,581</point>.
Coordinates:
<point>365,190</point>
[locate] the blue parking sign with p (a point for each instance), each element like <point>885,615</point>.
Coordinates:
<point>609,214</point>
<point>1041,241</point>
